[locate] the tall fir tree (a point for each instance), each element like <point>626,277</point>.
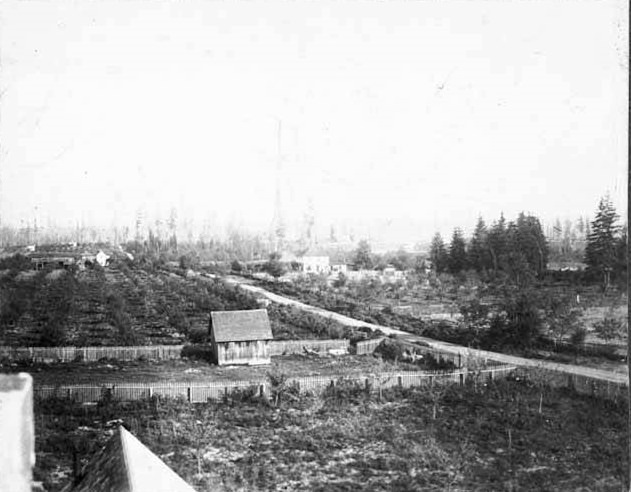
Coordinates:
<point>479,255</point>
<point>497,242</point>
<point>363,256</point>
<point>530,241</point>
<point>438,254</point>
<point>600,252</point>
<point>620,270</point>
<point>457,260</point>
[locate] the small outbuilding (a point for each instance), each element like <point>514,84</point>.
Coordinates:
<point>240,337</point>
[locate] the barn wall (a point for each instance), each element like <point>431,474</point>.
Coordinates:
<point>255,352</point>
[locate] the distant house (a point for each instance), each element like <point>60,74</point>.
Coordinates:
<point>339,269</point>
<point>125,464</point>
<point>54,260</point>
<point>391,274</point>
<point>315,264</point>
<point>102,258</point>
<point>240,337</point>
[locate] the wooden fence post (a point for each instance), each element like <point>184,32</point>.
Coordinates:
<point>400,382</point>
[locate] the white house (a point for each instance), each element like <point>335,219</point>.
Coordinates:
<point>101,258</point>
<point>391,274</point>
<point>316,264</point>
<point>340,268</point>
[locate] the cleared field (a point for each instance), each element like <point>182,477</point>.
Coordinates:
<point>507,435</point>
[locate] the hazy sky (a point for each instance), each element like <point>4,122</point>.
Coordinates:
<point>428,111</point>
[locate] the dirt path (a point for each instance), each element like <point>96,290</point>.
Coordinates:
<point>621,378</point>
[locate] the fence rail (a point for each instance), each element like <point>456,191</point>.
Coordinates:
<point>202,391</point>
<point>286,347</point>
<point>369,346</point>
<point>152,352</point>
<point>91,354</point>
<point>583,384</point>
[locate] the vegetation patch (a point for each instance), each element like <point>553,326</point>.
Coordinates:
<point>506,435</point>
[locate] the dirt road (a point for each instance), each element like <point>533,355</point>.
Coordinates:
<point>620,378</point>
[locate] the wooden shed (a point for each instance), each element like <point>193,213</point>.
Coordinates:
<point>240,337</point>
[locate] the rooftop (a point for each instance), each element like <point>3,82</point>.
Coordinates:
<point>125,464</point>
<point>241,326</point>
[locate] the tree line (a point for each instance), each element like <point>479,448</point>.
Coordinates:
<point>520,249</point>
<point>517,247</point>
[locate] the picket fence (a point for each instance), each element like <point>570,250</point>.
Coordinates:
<point>149,352</point>
<point>369,347</point>
<point>202,391</point>
<point>286,347</point>
<point>586,385</point>
<point>90,354</point>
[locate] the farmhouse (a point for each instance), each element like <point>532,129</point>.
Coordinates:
<point>315,264</point>
<point>340,268</point>
<point>101,258</point>
<point>240,337</point>
<point>59,260</point>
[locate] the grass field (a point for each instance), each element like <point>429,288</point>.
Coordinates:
<point>504,436</point>
<point>197,370</point>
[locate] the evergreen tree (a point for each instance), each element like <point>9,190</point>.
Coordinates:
<point>457,260</point>
<point>479,255</point>
<point>529,240</point>
<point>620,269</point>
<point>600,252</point>
<point>363,256</point>
<point>438,254</point>
<point>497,242</point>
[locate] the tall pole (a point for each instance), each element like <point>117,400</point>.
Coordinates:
<point>278,226</point>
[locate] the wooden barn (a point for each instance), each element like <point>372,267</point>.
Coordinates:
<point>240,337</point>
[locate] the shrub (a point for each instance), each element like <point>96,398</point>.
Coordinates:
<point>344,391</point>
<point>198,351</point>
<point>53,333</point>
<point>198,335</point>
<point>609,328</point>
<point>390,350</point>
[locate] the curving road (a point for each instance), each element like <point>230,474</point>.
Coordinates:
<point>602,375</point>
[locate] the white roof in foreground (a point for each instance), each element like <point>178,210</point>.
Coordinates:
<point>127,465</point>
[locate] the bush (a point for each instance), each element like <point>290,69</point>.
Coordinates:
<point>198,335</point>
<point>344,391</point>
<point>390,350</point>
<point>53,334</point>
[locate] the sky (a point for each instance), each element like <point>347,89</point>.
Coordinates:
<point>419,114</point>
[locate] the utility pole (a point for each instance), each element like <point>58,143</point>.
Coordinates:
<point>278,223</point>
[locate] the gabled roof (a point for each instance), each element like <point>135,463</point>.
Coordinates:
<point>126,465</point>
<point>241,326</point>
